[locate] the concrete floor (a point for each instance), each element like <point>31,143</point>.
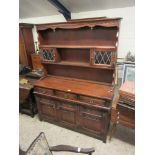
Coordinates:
<point>121,144</point>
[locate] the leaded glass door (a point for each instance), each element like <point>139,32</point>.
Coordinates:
<point>102,57</point>
<point>49,55</point>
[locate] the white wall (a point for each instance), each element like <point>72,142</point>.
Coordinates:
<point>127,30</point>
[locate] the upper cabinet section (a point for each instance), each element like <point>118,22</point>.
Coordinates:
<point>88,33</point>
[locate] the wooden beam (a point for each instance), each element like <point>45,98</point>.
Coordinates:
<point>61,8</point>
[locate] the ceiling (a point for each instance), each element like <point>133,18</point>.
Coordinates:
<point>39,8</point>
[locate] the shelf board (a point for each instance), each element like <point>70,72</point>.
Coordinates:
<point>79,64</point>
<point>78,46</point>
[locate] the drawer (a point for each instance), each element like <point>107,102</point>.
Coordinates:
<point>126,111</point>
<point>128,101</point>
<point>65,95</point>
<point>67,105</point>
<point>92,100</point>
<point>44,91</point>
<point>90,111</point>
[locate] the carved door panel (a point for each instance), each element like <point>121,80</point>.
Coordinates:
<point>92,120</point>
<point>67,114</point>
<point>47,108</point>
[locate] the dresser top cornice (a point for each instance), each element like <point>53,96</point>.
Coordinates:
<point>78,23</point>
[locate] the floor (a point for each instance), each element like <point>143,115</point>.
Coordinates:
<point>123,143</point>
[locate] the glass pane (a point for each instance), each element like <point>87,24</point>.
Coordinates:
<point>102,57</point>
<point>48,54</point>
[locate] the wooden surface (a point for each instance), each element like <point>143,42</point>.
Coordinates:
<point>76,86</point>
<point>27,40</point>
<point>128,89</point>
<point>22,50</point>
<point>123,107</point>
<point>36,61</point>
<point>106,22</point>
<point>26,97</point>
<point>77,93</point>
<point>28,86</point>
<point>80,34</point>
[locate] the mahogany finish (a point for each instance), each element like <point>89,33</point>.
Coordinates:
<point>123,110</point>
<point>27,104</point>
<point>26,43</point>
<point>36,61</point>
<point>79,57</point>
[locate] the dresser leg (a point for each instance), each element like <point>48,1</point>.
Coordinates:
<point>104,140</point>
<point>113,130</point>
<point>40,118</point>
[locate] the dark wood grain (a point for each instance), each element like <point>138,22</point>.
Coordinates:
<point>77,93</point>
<point>26,32</point>
<point>123,108</point>
<point>76,86</point>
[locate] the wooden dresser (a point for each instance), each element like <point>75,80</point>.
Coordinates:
<point>79,57</point>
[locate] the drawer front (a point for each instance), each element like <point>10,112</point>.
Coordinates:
<point>92,100</point>
<point>127,101</point>
<point>47,108</point>
<point>126,111</point>
<point>68,105</point>
<point>44,91</point>
<point>91,120</point>
<point>65,95</point>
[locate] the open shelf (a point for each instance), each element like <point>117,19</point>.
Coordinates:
<point>79,64</point>
<point>113,48</point>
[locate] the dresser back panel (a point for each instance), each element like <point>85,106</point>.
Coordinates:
<point>98,36</point>
<point>74,55</point>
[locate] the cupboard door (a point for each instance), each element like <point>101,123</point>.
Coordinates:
<point>67,114</point>
<point>50,55</point>
<point>91,120</point>
<point>47,108</point>
<point>102,57</point>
